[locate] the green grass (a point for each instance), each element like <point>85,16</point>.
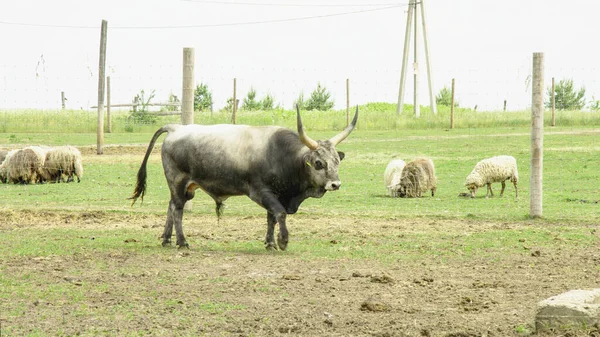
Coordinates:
<point>373,116</point>
<point>117,279</point>
<point>570,173</point>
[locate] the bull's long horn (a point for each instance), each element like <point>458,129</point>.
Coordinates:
<point>335,140</point>
<point>304,138</point>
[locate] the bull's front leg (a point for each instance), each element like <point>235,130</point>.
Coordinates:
<point>270,238</point>
<point>275,214</point>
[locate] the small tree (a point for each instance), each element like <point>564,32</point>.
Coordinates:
<point>139,113</point>
<point>444,97</point>
<point>319,99</point>
<point>172,99</point>
<point>594,104</point>
<point>565,96</point>
<point>267,102</point>
<point>250,103</point>
<point>299,102</point>
<point>202,98</point>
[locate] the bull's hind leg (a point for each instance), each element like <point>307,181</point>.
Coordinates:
<point>168,232</point>
<point>174,219</point>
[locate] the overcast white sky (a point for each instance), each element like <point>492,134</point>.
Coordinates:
<point>52,46</point>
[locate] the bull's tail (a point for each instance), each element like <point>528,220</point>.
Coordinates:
<point>140,186</point>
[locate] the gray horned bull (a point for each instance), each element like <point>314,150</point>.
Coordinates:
<point>274,166</point>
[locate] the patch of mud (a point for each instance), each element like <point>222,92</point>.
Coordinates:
<point>220,287</point>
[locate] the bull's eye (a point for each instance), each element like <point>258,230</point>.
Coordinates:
<point>318,165</point>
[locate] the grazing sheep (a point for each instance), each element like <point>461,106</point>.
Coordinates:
<point>3,166</point>
<point>418,176</point>
<point>3,154</point>
<point>64,161</point>
<point>26,166</point>
<point>493,170</point>
<point>391,176</point>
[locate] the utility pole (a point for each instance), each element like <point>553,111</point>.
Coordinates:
<point>412,11</point>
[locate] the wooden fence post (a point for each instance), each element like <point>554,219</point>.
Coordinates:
<point>504,106</point>
<point>553,103</point>
<point>187,94</point>
<point>234,103</point>
<point>452,107</point>
<point>101,80</point>
<point>347,101</point>
<point>63,99</point>
<point>187,97</point>
<point>537,136</point>
<point>108,120</point>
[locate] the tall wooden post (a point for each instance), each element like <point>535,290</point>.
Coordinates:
<point>108,119</point>
<point>101,80</point>
<point>412,11</point>
<point>432,103</point>
<point>452,107</point>
<point>537,135</point>
<point>553,103</point>
<point>187,97</point>
<point>62,100</point>
<point>407,35</point>
<point>234,101</point>
<point>504,109</point>
<point>416,107</point>
<point>187,94</point>
<point>347,101</point>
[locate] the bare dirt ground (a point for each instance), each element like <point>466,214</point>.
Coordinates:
<point>153,290</point>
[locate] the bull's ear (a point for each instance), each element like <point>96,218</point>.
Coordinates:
<point>341,154</point>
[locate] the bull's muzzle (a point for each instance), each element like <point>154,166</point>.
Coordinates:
<point>333,185</point>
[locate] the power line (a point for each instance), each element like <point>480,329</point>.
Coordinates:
<point>291,4</point>
<point>302,18</point>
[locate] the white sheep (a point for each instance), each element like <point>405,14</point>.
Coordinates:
<point>26,166</point>
<point>493,170</point>
<point>391,176</point>
<point>418,176</point>
<point>4,166</point>
<point>64,161</point>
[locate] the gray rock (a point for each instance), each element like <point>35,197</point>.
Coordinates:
<point>571,310</point>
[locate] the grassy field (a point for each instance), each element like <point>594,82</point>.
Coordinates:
<point>79,260</point>
<point>570,173</point>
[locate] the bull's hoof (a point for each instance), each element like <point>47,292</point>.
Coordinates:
<point>282,243</point>
<point>270,246</point>
<point>166,243</point>
<point>183,245</point>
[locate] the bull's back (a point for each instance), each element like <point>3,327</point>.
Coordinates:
<point>220,158</point>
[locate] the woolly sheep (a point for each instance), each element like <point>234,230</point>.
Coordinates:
<point>64,161</point>
<point>4,165</point>
<point>3,154</point>
<point>26,166</point>
<point>391,176</point>
<point>493,170</point>
<point>418,176</point>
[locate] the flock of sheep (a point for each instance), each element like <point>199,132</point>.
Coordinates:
<point>416,177</point>
<point>37,164</point>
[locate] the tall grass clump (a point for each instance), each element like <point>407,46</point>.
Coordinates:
<point>372,116</point>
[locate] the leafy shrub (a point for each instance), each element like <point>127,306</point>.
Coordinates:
<point>202,98</point>
<point>565,96</point>
<point>320,99</point>
<point>139,114</point>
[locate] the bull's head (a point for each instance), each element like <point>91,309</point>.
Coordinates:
<point>323,161</point>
